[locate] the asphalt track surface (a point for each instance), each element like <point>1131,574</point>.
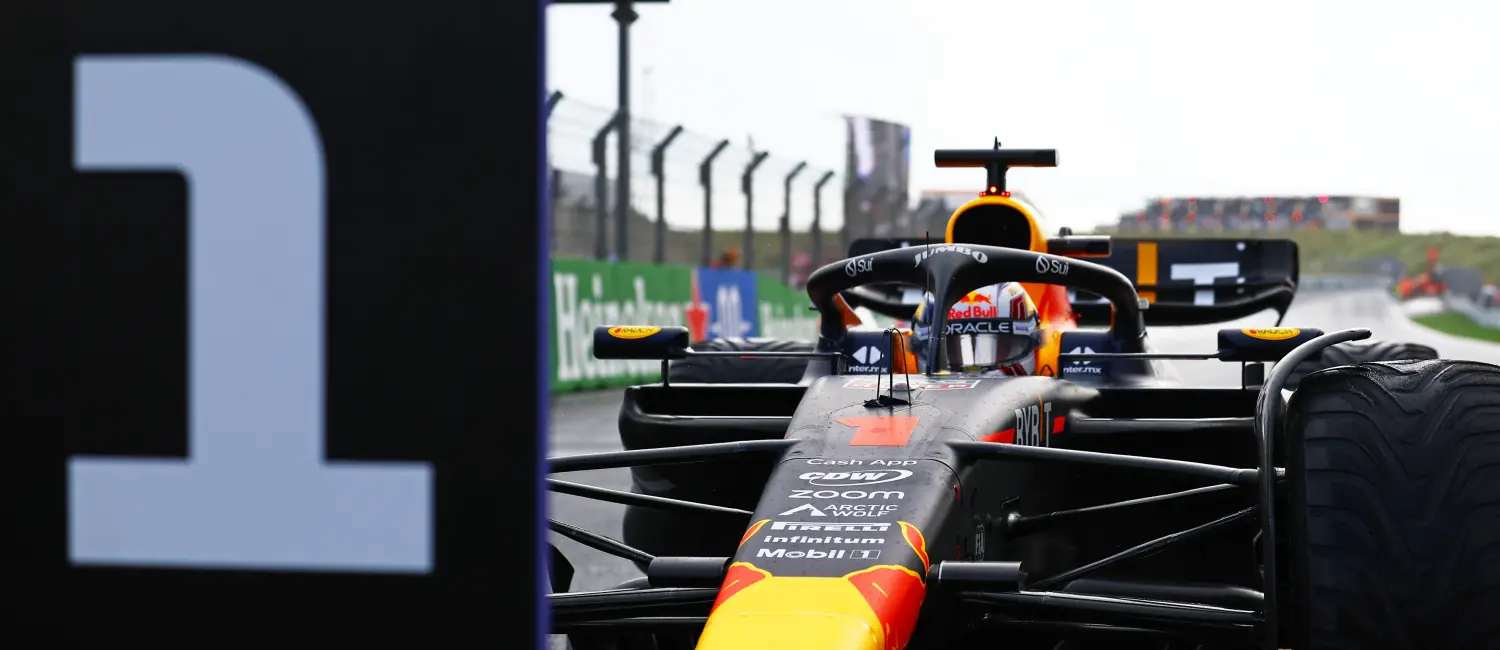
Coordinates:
<point>586,422</point>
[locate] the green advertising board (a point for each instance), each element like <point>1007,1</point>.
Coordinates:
<point>585,294</point>
<point>783,312</point>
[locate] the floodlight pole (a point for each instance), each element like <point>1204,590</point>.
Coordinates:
<point>624,14</point>
<point>817,222</point>
<point>748,188</point>
<point>658,170</point>
<point>786,224</point>
<point>706,179</point>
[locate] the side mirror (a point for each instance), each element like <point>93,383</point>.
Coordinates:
<point>1264,344</point>
<point>639,342</point>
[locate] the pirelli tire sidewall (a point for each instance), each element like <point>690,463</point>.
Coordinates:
<point>1393,517</point>
<point>1346,354</point>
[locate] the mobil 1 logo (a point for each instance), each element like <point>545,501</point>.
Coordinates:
<point>819,554</point>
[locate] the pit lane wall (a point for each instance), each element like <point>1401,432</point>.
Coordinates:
<point>712,303</point>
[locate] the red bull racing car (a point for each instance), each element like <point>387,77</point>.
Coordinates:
<point>1023,470</point>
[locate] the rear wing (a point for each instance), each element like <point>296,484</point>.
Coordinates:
<point>1198,281</point>
<point>1187,281</point>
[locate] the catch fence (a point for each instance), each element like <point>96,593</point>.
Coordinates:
<point>691,198</point>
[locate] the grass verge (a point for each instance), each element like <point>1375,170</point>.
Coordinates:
<point>1458,325</point>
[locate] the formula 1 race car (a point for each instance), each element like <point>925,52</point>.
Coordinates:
<point>899,500</point>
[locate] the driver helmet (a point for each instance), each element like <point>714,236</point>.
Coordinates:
<point>993,330</point>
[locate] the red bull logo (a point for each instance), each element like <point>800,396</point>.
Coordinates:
<point>874,608</point>
<point>973,305</point>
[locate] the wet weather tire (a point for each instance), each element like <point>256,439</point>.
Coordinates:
<point>1348,354</point>
<point>1394,495</point>
<point>734,370</point>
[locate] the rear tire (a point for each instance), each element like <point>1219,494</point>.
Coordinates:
<point>734,370</point>
<point>1348,354</point>
<point>1394,495</point>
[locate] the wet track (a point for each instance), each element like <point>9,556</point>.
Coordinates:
<point>585,423</point>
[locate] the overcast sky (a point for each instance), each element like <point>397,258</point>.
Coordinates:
<point>1140,98</point>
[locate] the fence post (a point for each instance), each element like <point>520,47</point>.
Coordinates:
<point>554,175</point>
<point>817,222</point>
<point>601,188</point>
<point>786,224</point>
<point>748,188</point>
<point>658,169</point>
<point>555,197</point>
<point>706,179</point>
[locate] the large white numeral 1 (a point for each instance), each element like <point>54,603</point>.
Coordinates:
<point>1204,274</point>
<point>255,491</point>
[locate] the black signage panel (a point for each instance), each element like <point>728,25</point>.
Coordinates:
<point>271,282</point>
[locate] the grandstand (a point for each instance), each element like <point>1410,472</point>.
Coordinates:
<point>1272,213</point>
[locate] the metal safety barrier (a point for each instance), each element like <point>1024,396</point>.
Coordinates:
<point>1312,283</point>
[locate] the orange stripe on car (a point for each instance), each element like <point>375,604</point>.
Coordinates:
<point>1007,436</point>
<point>913,536</point>
<point>754,528</point>
<point>1145,267</point>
